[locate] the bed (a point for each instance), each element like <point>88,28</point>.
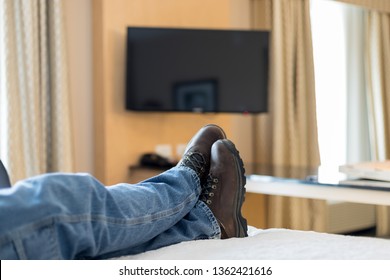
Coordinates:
<point>276,244</point>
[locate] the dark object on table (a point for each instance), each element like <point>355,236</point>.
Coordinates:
<point>155,160</point>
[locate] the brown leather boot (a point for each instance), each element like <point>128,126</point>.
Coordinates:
<point>197,153</point>
<point>224,191</point>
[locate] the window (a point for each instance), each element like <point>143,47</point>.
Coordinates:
<point>330,77</point>
<point>339,54</point>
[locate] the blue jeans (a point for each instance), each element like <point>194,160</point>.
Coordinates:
<point>73,216</point>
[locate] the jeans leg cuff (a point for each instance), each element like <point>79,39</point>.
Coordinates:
<point>215,229</point>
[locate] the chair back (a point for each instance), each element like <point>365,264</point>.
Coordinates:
<point>4,178</point>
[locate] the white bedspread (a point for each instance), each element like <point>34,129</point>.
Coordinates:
<point>276,244</point>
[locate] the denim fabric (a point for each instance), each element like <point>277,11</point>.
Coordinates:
<point>73,216</point>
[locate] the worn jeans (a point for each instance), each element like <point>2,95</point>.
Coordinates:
<point>73,216</point>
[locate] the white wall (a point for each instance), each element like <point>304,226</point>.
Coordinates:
<point>78,17</point>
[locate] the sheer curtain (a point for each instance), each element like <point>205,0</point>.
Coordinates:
<point>378,92</point>
<point>367,40</point>
<point>368,87</point>
<point>378,87</point>
<point>34,111</point>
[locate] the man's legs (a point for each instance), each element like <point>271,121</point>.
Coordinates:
<point>68,216</point>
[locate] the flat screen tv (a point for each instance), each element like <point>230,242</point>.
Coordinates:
<point>194,70</point>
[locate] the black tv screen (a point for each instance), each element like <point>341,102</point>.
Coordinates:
<point>194,70</point>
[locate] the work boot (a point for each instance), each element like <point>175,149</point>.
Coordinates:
<point>224,191</point>
<point>197,153</point>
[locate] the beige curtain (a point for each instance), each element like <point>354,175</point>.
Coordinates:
<point>35,114</point>
<point>378,90</point>
<point>288,133</point>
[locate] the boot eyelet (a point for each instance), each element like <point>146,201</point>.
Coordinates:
<point>208,201</point>
<point>211,194</point>
<point>215,180</point>
<point>213,187</point>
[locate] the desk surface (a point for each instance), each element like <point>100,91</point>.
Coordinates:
<point>312,183</point>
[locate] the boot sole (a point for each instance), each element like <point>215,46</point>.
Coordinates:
<point>240,194</point>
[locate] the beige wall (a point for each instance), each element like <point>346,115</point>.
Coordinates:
<point>78,16</point>
<point>107,138</point>
<point>121,136</point>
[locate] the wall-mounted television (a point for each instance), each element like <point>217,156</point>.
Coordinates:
<point>197,70</point>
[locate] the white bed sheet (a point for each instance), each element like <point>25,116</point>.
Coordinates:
<point>276,244</point>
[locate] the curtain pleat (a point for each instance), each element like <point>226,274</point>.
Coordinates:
<point>35,88</point>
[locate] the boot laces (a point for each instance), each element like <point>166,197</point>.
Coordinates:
<point>209,189</point>
<point>196,162</point>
